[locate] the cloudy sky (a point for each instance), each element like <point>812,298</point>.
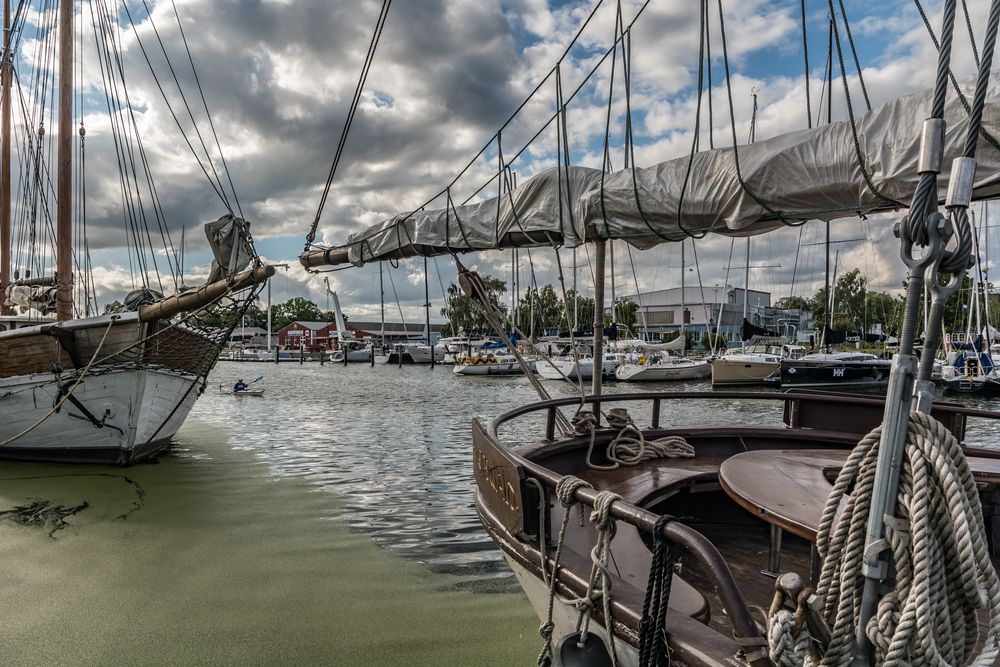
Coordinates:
<point>278,77</point>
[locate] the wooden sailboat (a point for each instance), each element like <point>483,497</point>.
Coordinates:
<point>889,519</point>
<point>114,387</point>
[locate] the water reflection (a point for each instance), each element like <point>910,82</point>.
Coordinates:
<point>393,443</point>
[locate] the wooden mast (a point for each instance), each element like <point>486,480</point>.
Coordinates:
<point>5,77</point>
<point>64,166</point>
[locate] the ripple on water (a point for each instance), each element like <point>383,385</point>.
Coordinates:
<point>394,444</point>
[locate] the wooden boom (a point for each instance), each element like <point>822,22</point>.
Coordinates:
<point>204,295</point>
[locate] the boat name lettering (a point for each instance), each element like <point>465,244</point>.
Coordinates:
<point>496,477</point>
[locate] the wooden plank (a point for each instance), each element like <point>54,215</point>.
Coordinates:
<point>789,488</point>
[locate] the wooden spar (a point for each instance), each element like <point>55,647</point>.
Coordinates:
<point>64,167</point>
<point>5,77</point>
<point>331,257</point>
<point>43,281</point>
<point>188,301</point>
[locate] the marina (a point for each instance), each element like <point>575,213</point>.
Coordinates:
<point>266,509</point>
<point>508,406</point>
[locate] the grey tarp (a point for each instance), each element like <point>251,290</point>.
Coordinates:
<point>801,175</point>
<point>231,250</point>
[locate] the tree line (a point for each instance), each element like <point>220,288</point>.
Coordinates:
<point>538,311</point>
<point>856,308</point>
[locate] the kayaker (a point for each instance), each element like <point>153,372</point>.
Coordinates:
<point>240,385</point>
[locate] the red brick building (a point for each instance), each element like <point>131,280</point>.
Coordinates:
<point>313,336</point>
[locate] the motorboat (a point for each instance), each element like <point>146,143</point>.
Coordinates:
<point>487,364</point>
<point>751,365</point>
<point>574,369</point>
<point>661,367</point>
<point>834,370</point>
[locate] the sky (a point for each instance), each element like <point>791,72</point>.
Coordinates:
<point>277,78</point>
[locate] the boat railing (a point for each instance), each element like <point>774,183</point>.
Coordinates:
<point>696,544</point>
<point>951,414</point>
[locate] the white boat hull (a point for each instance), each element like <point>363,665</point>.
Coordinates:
<point>138,412</point>
<point>565,614</point>
<point>501,368</point>
<point>665,372</point>
<point>567,369</point>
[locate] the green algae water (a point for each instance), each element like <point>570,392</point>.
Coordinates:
<point>330,522</point>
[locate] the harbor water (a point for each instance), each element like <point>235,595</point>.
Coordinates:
<point>329,522</point>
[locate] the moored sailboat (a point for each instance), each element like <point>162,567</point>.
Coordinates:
<point>721,497</point>
<point>113,387</point>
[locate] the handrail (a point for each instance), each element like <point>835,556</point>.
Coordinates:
<point>828,397</point>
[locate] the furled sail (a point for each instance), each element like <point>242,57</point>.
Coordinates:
<point>829,172</point>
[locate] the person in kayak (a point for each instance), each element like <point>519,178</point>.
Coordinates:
<point>240,385</point>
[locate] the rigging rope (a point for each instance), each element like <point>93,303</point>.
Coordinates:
<point>352,109</point>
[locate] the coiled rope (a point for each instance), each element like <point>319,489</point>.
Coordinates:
<point>943,573</point>
<point>629,447</point>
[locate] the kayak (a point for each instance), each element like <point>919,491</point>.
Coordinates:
<point>245,392</point>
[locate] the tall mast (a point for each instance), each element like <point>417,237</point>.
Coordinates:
<point>746,283</point>
<point>829,301</point>
<point>64,166</point>
<point>381,301</point>
<point>683,300</point>
<point>5,77</point>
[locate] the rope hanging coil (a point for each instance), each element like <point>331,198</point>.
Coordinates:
<point>943,573</point>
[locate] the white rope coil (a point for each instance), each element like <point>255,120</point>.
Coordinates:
<point>629,447</point>
<point>942,569</point>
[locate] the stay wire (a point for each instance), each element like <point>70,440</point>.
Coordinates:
<point>208,115</point>
<point>805,56</point>
<point>173,114</point>
<point>355,101</point>
<point>180,90</point>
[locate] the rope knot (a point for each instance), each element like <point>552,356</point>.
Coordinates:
<point>618,418</point>
<point>584,422</point>
<point>601,516</point>
<point>567,487</point>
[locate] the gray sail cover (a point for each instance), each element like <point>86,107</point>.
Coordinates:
<point>802,175</point>
<point>228,238</point>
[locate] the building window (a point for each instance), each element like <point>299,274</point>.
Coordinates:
<point>659,317</point>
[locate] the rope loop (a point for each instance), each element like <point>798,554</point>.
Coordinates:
<point>938,552</point>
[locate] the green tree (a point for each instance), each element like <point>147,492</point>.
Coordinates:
<point>255,317</point>
<point>885,309</point>
<point>544,306</point>
<point>465,314</point>
<point>794,303</point>
<point>626,310</point>
<point>295,309</point>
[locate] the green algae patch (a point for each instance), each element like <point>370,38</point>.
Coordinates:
<point>206,558</point>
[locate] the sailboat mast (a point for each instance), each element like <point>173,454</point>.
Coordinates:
<point>64,165</point>
<point>595,387</point>
<point>683,300</point>
<point>381,301</point>
<point>5,77</point>
<point>829,301</point>
<point>746,283</point>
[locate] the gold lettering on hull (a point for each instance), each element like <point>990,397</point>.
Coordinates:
<point>498,480</point>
